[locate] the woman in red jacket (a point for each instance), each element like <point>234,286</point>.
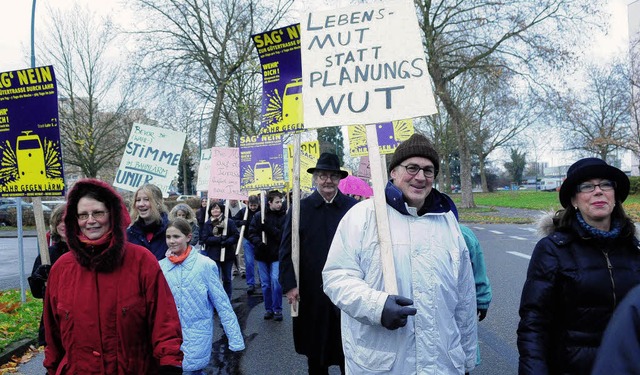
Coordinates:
<point>108,308</point>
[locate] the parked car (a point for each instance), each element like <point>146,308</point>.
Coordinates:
<point>8,212</point>
<point>186,197</point>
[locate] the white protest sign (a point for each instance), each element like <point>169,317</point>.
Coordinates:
<point>224,180</point>
<point>151,156</point>
<point>364,64</point>
<point>203,170</point>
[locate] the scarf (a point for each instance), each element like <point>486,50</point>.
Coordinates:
<point>177,259</point>
<point>100,242</point>
<point>616,227</point>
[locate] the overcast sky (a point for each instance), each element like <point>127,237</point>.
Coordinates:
<point>15,44</point>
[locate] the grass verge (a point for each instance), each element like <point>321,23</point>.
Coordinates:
<point>18,320</point>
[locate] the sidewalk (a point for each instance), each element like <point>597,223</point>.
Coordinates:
<point>14,233</point>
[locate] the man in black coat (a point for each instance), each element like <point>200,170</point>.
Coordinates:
<point>316,330</point>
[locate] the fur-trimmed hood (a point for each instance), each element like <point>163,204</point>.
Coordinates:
<point>110,257</point>
<point>545,225</point>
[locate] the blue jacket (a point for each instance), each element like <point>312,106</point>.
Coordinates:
<point>197,289</point>
<point>158,244</point>
<point>483,287</point>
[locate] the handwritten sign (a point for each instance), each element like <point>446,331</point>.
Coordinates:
<point>203,170</point>
<point>30,134</point>
<point>151,155</point>
<point>224,180</point>
<point>363,65</point>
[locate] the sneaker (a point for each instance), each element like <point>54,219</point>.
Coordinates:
<point>235,272</point>
<point>269,315</point>
<point>277,317</point>
<point>243,275</point>
<point>251,289</point>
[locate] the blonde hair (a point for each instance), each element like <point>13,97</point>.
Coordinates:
<point>155,199</point>
<point>189,215</point>
<point>57,216</point>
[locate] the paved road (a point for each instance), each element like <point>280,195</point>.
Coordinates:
<point>507,249</point>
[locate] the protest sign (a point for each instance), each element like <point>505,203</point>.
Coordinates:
<point>390,135</point>
<point>261,162</point>
<point>30,134</point>
<point>224,180</point>
<point>152,156</point>
<point>363,65</point>
<point>279,53</point>
<point>309,154</point>
<point>203,170</point>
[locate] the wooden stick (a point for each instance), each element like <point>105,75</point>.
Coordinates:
<point>224,231</point>
<point>42,230</point>
<point>382,219</point>
<point>263,209</point>
<point>295,218</point>
<point>246,216</point>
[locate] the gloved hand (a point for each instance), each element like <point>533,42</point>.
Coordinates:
<point>395,312</point>
<point>42,272</point>
<point>242,222</point>
<point>169,370</point>
<point>223,239</point>
<point>482,313</point>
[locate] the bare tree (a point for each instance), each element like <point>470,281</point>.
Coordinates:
<point>199,45</point>
<point>634,79</point>
<point>596,116</point>
<point>519,35</point>
<point>95,109</point>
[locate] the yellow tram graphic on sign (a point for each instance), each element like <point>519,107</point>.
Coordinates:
<point>292,103</point>
<point>32,168</point>
<point>30,159</point>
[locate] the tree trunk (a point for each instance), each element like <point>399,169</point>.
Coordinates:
<point>483,174</point>
<point>215,117</point>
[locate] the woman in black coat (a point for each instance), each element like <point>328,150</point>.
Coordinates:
<point>215,241</point>
<point>578,273</point>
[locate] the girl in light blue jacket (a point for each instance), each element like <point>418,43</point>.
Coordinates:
<point>197,290</point>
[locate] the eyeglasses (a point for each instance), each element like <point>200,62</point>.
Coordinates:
<point>333,176</point>
<point>588,187</point>
<point>97,215</point>
<point>413,170</point>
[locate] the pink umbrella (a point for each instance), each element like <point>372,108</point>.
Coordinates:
<point>355,186</point>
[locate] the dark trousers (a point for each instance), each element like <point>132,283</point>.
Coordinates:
<point>318,368</point>
<point>225,271</point>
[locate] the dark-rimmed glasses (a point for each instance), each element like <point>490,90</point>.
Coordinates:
<point>413,170</point>
<point>588,187</point>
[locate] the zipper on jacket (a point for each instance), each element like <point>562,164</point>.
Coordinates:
<point>613,283</point>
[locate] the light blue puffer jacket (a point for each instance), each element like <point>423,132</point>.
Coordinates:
<point>197,289</point>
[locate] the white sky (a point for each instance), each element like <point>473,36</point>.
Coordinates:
<point>15,45</point>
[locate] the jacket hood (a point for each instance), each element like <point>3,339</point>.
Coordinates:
<point>436,201</point>
<point>545,225</point>
<point>110,257</point>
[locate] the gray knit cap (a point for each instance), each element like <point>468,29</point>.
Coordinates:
<point>416,145</point>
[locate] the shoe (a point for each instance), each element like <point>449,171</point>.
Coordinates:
<point>251,289</point>
<point>269,315</point>
<point>277,317</point>
<point>243,275</point>
<point>235,272</point>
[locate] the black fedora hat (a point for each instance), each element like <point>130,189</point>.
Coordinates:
<point>588,168</point>
<point>329,162</point>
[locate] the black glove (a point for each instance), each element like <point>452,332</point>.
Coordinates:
<point>395,312</point>
<point>482,313</point>
<point>42,272</point>
<point>169,370</point>
<point>241,223</point>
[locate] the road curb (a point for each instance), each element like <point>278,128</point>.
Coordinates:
<point>16,348</point>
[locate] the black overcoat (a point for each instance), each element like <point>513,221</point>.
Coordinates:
<point>316,330</point>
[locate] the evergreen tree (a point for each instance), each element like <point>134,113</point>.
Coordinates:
<point>185,168</point>
<point>331,140</point>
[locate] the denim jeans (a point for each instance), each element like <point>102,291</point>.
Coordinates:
<point>225,271</point>
<point>249,262</point>
<point>271,289</point>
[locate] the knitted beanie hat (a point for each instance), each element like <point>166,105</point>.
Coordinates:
<point>416,145</point>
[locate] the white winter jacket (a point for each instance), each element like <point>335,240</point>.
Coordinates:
<point>432,268</point>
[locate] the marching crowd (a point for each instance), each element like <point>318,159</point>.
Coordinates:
<point>135,290</point>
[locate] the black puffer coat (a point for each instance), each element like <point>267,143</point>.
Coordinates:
<point>272,227</point>
<point>574,282</point>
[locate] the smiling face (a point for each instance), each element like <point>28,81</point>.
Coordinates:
<point>595,206</point>
<point>144,206</point>
<point>93,228</point>
<point>177,241</point>
<point>415,189</point>
<point>215,211</point>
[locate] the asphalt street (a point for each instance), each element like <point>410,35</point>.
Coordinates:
<point>506,247</point>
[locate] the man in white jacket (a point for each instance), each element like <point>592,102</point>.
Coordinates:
<point>430,327</point>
